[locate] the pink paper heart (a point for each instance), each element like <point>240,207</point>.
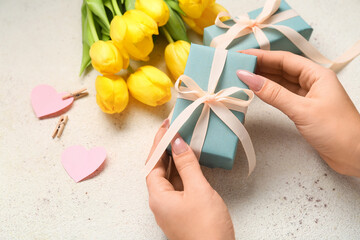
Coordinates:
<point>79,163</point>
<point>46,102</point>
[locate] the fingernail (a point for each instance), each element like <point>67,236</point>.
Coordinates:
<point>178,145</point>
<point>165,124</point>
<point>253,81</point>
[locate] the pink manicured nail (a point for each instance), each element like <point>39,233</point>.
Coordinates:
<point>165,124</point>
<point>253,81</point>
<point>178,145</point>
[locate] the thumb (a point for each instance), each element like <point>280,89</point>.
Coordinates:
<point>271,93</point>
<point>187,164</point>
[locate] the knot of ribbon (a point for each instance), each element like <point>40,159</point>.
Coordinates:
<point>220,103</point>
<point>267,19</point>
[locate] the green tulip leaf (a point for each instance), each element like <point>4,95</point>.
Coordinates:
<point>102,26</point>
<point>129,4</point>
<point>91,27</point>
<point>88,36</point>
<point>104,32</point>
<point>116,8</point>
<point>176,27</point>
<point>109,6</point>
<point>98,9</point>
<point>83,16</point>
<point>121,4</point>
<point>86,60</point>
<point>175,6</point>
<point>105,37</point>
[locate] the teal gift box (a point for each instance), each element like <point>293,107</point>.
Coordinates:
<point>277,40</point>
<point>220,144</point>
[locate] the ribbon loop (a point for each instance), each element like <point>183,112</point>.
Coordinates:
<point>270,7</point>
<point>220,103</point>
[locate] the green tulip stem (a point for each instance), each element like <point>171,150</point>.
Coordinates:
<point>92,25</point>
<point>166,34</point>
<point>116,8</point>
<point>130,69</point>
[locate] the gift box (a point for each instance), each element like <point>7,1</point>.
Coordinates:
<point>277,40</point>
<point>220,143</point>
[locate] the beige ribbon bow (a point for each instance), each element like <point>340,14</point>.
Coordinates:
<point>266,19</point>
<point>220,103</point>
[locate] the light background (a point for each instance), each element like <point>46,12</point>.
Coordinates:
<point>292,193</point>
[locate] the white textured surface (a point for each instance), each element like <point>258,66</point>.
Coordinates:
<point>292,193</point>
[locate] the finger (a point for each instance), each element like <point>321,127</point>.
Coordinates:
<point>187,164</point>
<point>292,67</point>
<point>273,93</point>
<point>175,179</point>
<point>156,180</point>
<point>160,133</point>
<point>292,87</point>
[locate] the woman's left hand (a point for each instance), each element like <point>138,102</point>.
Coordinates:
<point>186,206</point>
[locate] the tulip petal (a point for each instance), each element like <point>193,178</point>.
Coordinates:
<point>112,94</point>
<point>105,57</point>
<point>207,18</point>
<point>139,25</point>
<point>176,55</point>
<point>156,76</point>
<point>118,30</point>
<point>149,86</point>
<point>141,50</point>
<point>156,9</point>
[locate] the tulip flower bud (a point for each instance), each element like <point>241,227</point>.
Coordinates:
<point>156,9</point>
<point>149,85</point>
<point>176,55</point>
<point>194,8</point>
<point>112,94</point>
<point>207,18</point>
<point>107,59</point>
<point>133,31</point>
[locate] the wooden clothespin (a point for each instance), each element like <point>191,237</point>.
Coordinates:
<point>76,95</point>
<point>60,126</point>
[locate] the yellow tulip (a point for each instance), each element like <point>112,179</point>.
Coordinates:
<point>207,18</point>
<point>194,8</point>
<point>149,85</point>
<point>156,9</point>
<point>133,31</point>
<point>107,58</point>
<point>112,94</point>
<point>176,55</point>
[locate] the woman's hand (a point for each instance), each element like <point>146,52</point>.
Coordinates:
<point>312,97</point>
<point>186,206</point>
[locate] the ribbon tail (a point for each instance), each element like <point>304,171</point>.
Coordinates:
<point>261,38</point>
<point>238,128</point>
<point>311,52</point>
<point>170,134</point>
<point>200,130</point>
<point>347,57</point>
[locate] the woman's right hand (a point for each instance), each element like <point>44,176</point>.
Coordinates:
<point>312,97</point>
